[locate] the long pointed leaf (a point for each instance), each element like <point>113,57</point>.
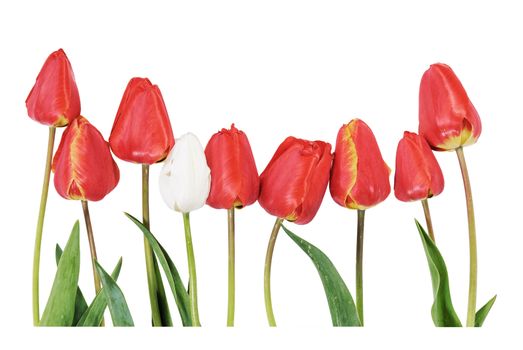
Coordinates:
<point>163,305</point>
<point>94,314</point>
<point>443,313</point>
<point>341,305</point>
<point>482,313</point>
<point>80,304</point>
<point>180,294</point>
<point>118,308</point>
<point>60,307</point>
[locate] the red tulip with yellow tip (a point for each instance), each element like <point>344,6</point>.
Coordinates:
<point>54,99</point>
<point>83,165</point>
<point>447,117</point>
<point>85,170</point>
<point>359,180</point>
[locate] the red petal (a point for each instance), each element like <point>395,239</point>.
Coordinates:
<point>54,99</point>
<point>447,118</point>
<point>83,165</point>
<point>142,130</point>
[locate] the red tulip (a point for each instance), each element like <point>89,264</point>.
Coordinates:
<point>142,131</point>
<point>447,118</point>
<point>83,165</point>
<point>359,177</point>
<point>293,184</point>
<point>418,175</point>
<point>54,99</point>
<point>234,177</point>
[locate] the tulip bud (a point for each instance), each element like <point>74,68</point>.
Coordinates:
<point>447,118</point>
<point>293,184</point>
<point>418,175</point>
<point>83,165</point>
<point>141,131</point>
<point>360,176</point>
<point>185,178</point>
<point>234,177</point>
<point>54,99</point>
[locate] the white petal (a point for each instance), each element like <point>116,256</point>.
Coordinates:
<point>185,178</point>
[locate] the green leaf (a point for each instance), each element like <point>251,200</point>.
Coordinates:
<point>60,307</point>
<point>443,313</point>
<point>173,277</point>
<point>118,308</point>
<point>342,308</point>
<point>163,305</point>
<point>482,313</point>
<point>94,314</point>
<point>80,303</point>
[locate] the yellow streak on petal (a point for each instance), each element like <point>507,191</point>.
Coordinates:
<point>352,162</point>
<point>74,156</point>
<point>61,121</point>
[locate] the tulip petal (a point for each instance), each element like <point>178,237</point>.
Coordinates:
<point>235,180</point>
<point>360,176</point>
<point>54,99</point>
<point>294,182</point>
<point>142,130</point>
<point>447,117</point>
<point>185,176</point>
<point>83,165</point>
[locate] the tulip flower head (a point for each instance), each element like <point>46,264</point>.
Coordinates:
<point>185,179</point>
<point>360,176</point>
<point>142,131</point>
<point>294,182</point>
<point>83,165</point>
<point>234,177</point>
<point>54,99</point>
<point>418,175</point>
<point>447,118</point>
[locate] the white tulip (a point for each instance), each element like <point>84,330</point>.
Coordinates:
<point>185,179</point>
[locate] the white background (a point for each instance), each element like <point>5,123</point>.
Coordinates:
<point>275,68</point>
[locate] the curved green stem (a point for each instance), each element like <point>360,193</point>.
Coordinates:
<point>92,246</point>
<point>359,264</point>
<point>193,292</point>
<point>40,227</point>
<point>267,272</point>
<point>473,274</point>
<point>231,282</point>
<point>149,257</point>
<point>428,219</point>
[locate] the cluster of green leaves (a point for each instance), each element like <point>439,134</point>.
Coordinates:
<point>341,304</point>
<point>443,313</point>
<point>66,305</point>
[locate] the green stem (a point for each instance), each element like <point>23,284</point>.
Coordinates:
<point>40,227</point>
<point>473,275</point>
<point>92,246</point>
<point>193,292</point>
<point>230,300</point>
<point>149,257</point>
<point>428,219</point>
<point>359,264</point>
<point>267,273</point>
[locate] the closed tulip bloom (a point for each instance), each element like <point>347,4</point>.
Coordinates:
<point>83,165</point>
<point>234,177</point>
<point>54,99</point>
<point>185,178</point>
<point>142,131</point>
<point>447,118</point>
<point>418,175</point>
<point>293,184</point>
<point>360,176</point>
